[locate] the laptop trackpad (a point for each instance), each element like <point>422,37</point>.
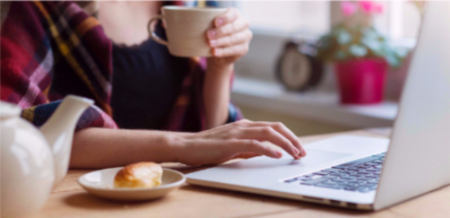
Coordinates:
<point>314,157</point>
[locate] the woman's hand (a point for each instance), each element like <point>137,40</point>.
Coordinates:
<point>102,147</point>
<point>229,38</point>
<point>236,140</point>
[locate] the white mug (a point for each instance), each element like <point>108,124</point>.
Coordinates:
<point>186,29</point>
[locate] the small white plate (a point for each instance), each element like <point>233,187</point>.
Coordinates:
<point>101,183</point>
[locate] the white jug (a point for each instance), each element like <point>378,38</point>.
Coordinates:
<point>33,161</point>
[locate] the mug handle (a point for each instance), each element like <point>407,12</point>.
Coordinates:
<point>152,33</point>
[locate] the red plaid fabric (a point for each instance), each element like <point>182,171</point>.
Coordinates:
<point>52,49</point>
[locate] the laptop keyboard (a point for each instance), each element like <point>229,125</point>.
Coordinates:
<point>360,175</point>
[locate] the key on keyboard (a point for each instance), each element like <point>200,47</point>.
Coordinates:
<point>359,175</point>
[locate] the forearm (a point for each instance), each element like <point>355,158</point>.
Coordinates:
<point>216,94</point>
<point>100,147</point>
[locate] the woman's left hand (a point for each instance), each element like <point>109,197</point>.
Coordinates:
<point>229,38</point>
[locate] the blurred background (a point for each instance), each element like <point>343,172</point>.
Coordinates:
<point>325,66</point>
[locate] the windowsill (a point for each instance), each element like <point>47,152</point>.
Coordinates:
<point>317,106</point>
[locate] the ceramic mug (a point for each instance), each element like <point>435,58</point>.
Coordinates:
<point>186,29</point>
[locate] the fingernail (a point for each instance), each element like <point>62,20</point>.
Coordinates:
<point>296,152</point>
<point>278,154</point>
<point>303,152</point>
<point>211,33</point>
<point>219,22</point>
<point>213,43</point>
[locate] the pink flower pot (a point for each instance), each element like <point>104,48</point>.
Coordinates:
<point>361,81</point>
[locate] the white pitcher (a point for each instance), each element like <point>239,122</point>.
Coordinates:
<point>33,161</point>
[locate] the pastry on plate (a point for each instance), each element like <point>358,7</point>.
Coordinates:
<point>139,175</point>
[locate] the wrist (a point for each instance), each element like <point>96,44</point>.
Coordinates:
<point>219,67</point>
<point>175,143</point>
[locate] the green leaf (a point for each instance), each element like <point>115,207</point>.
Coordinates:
<point>358,50</point>
<point>371,44</point>
<point>343,37</point>
<point>401,52</point>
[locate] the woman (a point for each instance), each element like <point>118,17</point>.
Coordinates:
<point>51,49</point>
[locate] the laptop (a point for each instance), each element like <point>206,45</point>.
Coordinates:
<point>361,172</point>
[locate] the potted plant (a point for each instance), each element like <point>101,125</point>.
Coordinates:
<point>361,53</point>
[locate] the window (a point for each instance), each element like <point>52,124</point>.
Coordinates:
<point>404,19</point>
<point>274,22</point>
<point>288,16</point>
<point>400,19</point>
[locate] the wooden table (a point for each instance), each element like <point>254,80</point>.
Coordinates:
<point>70,200</point>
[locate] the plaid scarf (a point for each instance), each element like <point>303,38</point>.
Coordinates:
<point>52,49</point>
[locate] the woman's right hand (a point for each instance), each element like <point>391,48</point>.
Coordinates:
<point>236,140</point>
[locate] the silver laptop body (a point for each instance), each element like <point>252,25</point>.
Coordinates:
<point>418,158</point>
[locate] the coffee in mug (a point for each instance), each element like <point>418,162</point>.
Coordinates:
<point>186,29</point>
